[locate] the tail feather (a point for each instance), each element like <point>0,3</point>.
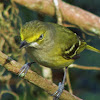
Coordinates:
<point>92,48</point>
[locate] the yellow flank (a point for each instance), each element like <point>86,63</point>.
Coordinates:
<point>22,38</point>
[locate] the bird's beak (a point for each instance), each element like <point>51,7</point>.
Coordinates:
<point>23,44</point>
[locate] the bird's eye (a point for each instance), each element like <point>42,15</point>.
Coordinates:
<point>41,37</point>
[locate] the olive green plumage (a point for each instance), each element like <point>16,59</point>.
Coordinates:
<point>52,45</point>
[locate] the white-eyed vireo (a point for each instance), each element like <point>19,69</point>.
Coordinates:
<point>51,45</point>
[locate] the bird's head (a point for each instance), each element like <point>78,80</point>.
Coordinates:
<point>32,34</point>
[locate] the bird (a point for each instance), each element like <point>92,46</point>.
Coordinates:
<point>51,45</point>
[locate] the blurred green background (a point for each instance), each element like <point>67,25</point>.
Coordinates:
<point>85,83</point>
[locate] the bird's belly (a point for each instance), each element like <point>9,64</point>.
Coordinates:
<point>47,60</point>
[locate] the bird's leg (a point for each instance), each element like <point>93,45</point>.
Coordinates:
<point>24,69</point>
<point>57,94</point>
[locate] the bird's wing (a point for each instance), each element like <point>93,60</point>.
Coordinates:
<point>74,45</point>
<point>71,52</point>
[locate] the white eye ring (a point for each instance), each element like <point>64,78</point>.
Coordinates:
<point>41,37</point>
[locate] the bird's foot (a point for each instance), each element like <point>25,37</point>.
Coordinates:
<point>24,69</point>
<point>57,94</point>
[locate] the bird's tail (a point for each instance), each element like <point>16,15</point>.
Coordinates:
<point>92,48</point>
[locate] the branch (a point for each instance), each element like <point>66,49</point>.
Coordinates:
<point>84,67</point>
<point>69,83</point>
<point>32,77</point>
<point>75,15</point>
<point>58,13</point>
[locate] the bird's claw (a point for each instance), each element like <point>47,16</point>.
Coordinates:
<point>24,69</point>
<point>57,94</point>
